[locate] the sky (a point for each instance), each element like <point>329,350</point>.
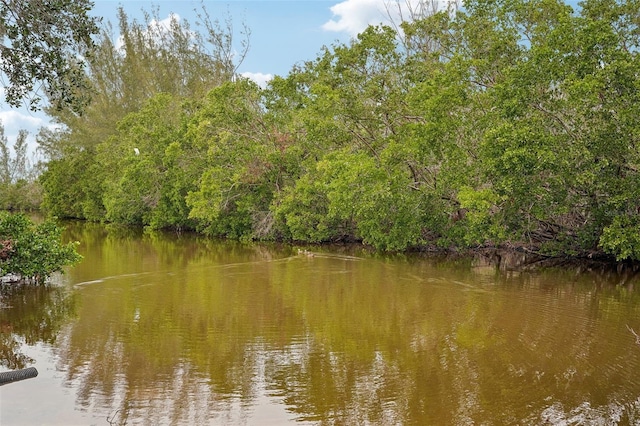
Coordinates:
<point>283,33</point>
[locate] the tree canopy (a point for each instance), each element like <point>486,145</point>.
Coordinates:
<point>44,47</point>
<point>504,122</point>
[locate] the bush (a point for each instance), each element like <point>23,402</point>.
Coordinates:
<point>33,252</point>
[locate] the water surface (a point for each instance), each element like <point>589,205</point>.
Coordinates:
<point>178,330</point>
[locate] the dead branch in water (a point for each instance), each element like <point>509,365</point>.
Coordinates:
<point>635,334</point>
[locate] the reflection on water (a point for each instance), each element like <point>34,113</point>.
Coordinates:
<point>29,315</point>
<point>170,329</point>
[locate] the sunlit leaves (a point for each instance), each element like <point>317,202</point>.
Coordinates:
<point>622,237</point>
<point>350,196</point>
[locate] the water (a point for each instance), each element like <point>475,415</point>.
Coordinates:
<point>168,330</point>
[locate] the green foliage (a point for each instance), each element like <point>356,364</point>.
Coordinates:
<point>350,196</point>
<point>239,176</point>
<point>41,44</point>
<point>380,202</point>
<point>72,186</point>
<point>30,251</point>
<point>622,238</point>
<point>139,186</point>
<point>508,121</point>
<point>179,61</point>
<point>480,222</point>
<point>304,209</point>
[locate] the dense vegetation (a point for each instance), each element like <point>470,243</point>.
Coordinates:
<point>505,122</point>
<point>32,252</point>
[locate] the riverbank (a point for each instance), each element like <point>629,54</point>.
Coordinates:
<point>506,256</point>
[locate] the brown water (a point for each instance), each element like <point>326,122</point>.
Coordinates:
<point>167,330</point>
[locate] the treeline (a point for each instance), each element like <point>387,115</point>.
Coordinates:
<point>504,122</point>
<point>19,187</point>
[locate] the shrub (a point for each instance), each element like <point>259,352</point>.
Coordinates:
<point>33,251</point>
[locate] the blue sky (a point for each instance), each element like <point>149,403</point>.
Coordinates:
<point>282,32</point>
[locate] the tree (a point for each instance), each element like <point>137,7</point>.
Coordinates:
<point>144,182</point>
<point>19,189</point>
<point>176,60</point>
<point>353,112</point>
<point>44,45</point>
<point>243,163</point>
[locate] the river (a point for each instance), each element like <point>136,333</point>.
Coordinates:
<point>167,329</point>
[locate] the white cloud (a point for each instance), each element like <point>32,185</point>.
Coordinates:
<point>14,121</point>
<point>155,29</point>
<point>260,78</point>
<point>354,16</point>
<point>164,24</point>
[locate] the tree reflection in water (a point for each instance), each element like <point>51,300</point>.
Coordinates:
<point>30,314</point>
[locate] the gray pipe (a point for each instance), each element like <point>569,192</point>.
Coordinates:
<point>17,375</point>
